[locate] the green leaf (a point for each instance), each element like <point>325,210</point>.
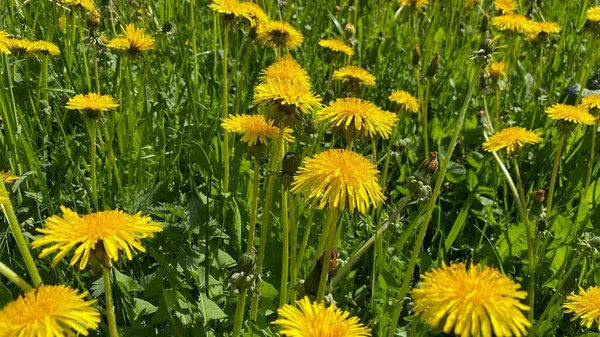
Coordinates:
<point>142,308</point>
<point>126,283</point>
<point>459,223</point>
<point>209,309</point>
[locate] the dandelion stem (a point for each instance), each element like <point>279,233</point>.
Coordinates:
<point>110,308</point>
<point>239,314</point>
<point>255,184</point>
<point>328,250</point>
<point>293,245</point>
<point>93,131</point>
<point>305,236</point>
<point>561,144</point>
<point>285,254</point>
<point>21,242</point>
<point>266,221</point>
<point>14,278</point>
<point>425,122</point>
<point>588,179</point>
<point>431,205</point>
<point>225,157</point>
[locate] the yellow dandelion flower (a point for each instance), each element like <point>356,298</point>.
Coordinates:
<point>548,27</point>
<point>286,94</point>
<point>586,306</point>
<point>569,113</point>
<point>279,34</point>
<point>591,103</point>
<point>8,177</point>
<point>315,320</point>
<point>135,40</point>
<point>506,6</point>
<point>4,198</point>
<point>42,47</point>
<point>82,4</point>
<point>511,138</point>
<point>52,311</point>
<point>496,70</point>
<point>337,46</point>
<point>339,178</point>
<point>475,302</point>
<point>515,23</point>
<point>229,7</point>
<point>286,69</point>
<point>62,24</point>
<point>406,101</point>
<point>18,45</point>
<point>593,14</point>
<point>4,42</point>
<point>354,75</point>
<point>419,4</point>
<point>357,118</point>
<point>254,13</point>
<point>113,230</point>
<point>255,129</point>
<point>93,104</point>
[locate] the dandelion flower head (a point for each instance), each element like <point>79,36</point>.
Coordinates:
<point>279,34</point>
<point>8,177</point>
<point>593,14</point>
<point>134,40</point>
<point>255,129</point>
<point>405,101</point>
<point>4,42</point>
<point>339,178</point>
<point>515,23</point>
<point>337,46</point>
<point>591,103</point>
<point>229,7</point>
<point>50,311</point>
<point>511,138</point>
<point>288,95</point>
<point>506,6</point>
<point>93,104</point>
<point>286,69</point>
<point>569,113</point>
<point>585,306</point>
<point>254,13</point>
<point>4,198</point>
<point>357,118</point>
<point>496,70</point>
<point>419,4</point>
<point>479,301</point>
<point>45,47</point>
<point>315,320</point>
<point>354,75</point>
<point>83,4</point>
<point>113,230</point>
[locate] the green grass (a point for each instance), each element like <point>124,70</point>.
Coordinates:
<point>161,153</point>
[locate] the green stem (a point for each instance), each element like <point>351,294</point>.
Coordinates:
<point>110,308</point>
<point>285,255</point>
<point>497,106</point>
<point>293,245</point>
<point>327,258</point>
<point>255,183</point>
<point>94,128</point>
<point>239,314</point>
<point>20,239</point>
<point>305,236</point>
<point>425,122</point>
<point>264,231</point>
<point>14,278</point>
<point>388,157</point>
<point>588,179</point>
<point>224,111</point>
<point>431,205</point>
<point>561,144</point>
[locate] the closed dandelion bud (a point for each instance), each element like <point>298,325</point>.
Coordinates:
<point>416,55</point>
<point>244,277</point>
<point>428,168</point>
<point>289,166</point>
<point>538,201</point>
<point>595,242</point>
<point>488,45</point>
<point>94,19</point>
<point>310,128</point>
<point>433,66</point>
<point>167,27</point>
<point>485,23</point>
<point>311,284</point>
<point>350,31</point>
<point>541,224</point>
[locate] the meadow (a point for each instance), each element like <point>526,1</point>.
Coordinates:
<point>309,168</point>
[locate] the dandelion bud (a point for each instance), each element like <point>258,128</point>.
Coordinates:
<point>433,66</point>
<point>289,166</point>
<point>538,201</point>
<point>310,128</point>
<point>94,19</point>
<point>311,284</point>
<point>167,27</point>
<point>245,277</point>
<point>428,168</point>
<point>539,195</point>
<point>485,22</point>
<point>416,55</point>
<point>350,31</point>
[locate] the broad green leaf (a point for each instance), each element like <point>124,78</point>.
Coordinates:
<point>209,309</point>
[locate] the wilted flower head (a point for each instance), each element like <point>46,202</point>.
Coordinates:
<point>254,128</point>
<point>4,42</point>
<point>419,4</point>
<point>585,306</point>
<point>337,46</point>
<point>571,114</point>
<point>515,23</point>
<point>479,301</point>
<point>405,101</point>
<point>355,76</point>
<point>92,104</point>
<point>286,69</point>
<point>279,34</point>
<point>511,138</point>
<point>315,320</point>
<point>81,4</point>
<point>339,178</point>
<point>107,232</point>
<point>358,119</point>
<point>506,6</point>
<point>44,47</point>
<point>52,311</point>
<point>134,41</point>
